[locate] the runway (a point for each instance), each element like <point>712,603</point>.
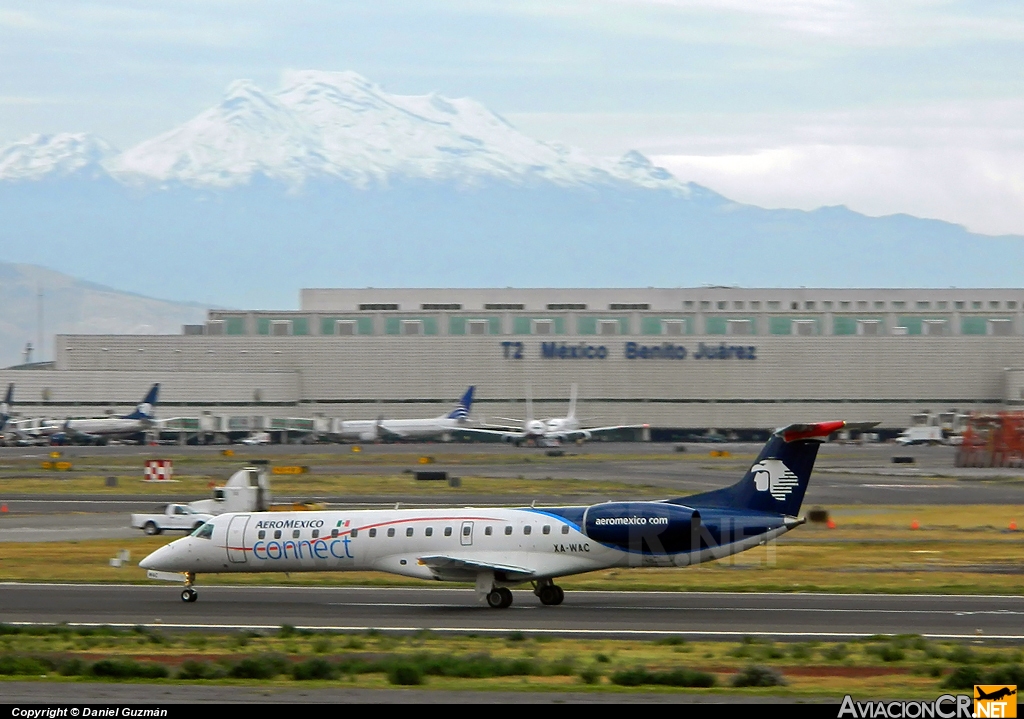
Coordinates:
<point>639,615</point>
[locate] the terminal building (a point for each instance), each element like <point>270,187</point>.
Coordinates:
<point>683,360</point>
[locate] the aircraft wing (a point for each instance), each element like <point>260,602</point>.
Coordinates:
<point>573,435</point>
<point>385,433</point>
<point>445,566</point>
<point>491,434</point>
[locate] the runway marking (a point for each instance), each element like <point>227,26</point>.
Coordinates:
<point>954,612</point>
<point>261,587</point>
<point>914,486</point>
<point>507,630</point>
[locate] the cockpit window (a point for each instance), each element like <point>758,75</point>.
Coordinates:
<point>204,532</point>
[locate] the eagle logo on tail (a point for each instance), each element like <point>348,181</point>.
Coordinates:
<point>771,475</point>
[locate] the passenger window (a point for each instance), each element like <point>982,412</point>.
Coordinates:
<point>547,529</point>
<point>508,530</point>
<point>373,532</point>
<point>354,533</point>
<point>316,533</point>
<point>295,534</point>
<point>391,531</point>
<point>466,530</point>
<point>334,533</point>
<point>565,529</point>
<point>277,534</point>
<point>527,529</point>
<point>487,531</point>
<point>447,531</point>
<point>204,532</point>
<point>408,531</point>
<point>262,534</point>
<point>429,531</point>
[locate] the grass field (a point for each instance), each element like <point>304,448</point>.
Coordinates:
<point>907,667</point>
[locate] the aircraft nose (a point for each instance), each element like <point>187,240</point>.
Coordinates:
<point>161,560</point>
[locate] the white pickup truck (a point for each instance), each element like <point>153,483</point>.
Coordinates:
<point>175,516</point>
<point>248,490</point>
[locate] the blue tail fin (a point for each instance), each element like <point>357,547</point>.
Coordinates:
<point>461,410</point>
<point>777,480</point>
<point>144,410</point>
<point>5,408</point>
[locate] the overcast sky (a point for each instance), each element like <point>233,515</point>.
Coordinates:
<point>884,106</point>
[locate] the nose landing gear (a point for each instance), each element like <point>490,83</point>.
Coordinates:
<point>189,594</point>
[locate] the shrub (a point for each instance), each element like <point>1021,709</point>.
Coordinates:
<point>673,678</point>
<point>836,653</point>
<point>632,677</point>
<point>12,664</point>
<point>322,645</point>
<point>960,654</point>
<point>964,677</point>
<point>405,674</point>
<point>800,651</point>
<point>74,667</point>
<point>314,669</point>
<point>128,669</point>
<point>590,675</point>
<point>672,641</point>
<point>266,666</point>
<point>191,669</point>
<point>1008,674</point>
<point>758,676</point>
<point>286,630</point>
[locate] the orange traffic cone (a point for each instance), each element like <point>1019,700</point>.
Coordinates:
<point>3,507</point>
<point>1013,524</point>
<point>831,523</point>
<point>915,524</point>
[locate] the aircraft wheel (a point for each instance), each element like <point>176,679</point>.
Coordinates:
<point>151,528</point>
<point>500,598</point>
<point>189,595</point>
<point>551,595</point>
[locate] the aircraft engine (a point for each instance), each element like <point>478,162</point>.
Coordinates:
<point>653,527</point>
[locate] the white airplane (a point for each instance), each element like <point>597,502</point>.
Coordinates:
<point>368,430</point>
<point>99,430</point>
<point>496,548</point>
<point>5,409</point>
<point>546,432</point>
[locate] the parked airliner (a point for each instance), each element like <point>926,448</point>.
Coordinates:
<point>98,430</point>
<point>369,430</point>
<point>546,432</point>
<point>497,548</point>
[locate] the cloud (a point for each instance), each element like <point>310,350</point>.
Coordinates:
<point>981,189</point>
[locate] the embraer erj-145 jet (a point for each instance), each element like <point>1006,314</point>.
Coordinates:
<point>368,430</point>
<point>497,548</point>
<point>547,432</point>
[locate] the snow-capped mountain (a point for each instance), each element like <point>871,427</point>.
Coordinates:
<point>335,125</point>
<point>330,181</point>
<point>62,155</point>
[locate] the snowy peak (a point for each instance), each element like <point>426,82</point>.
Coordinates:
<point>340,125</point>
<point>37,157</point>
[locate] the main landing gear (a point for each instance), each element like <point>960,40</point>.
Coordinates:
<point>549,593</point>
<point>499,598</point>
<point>189,594</point>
